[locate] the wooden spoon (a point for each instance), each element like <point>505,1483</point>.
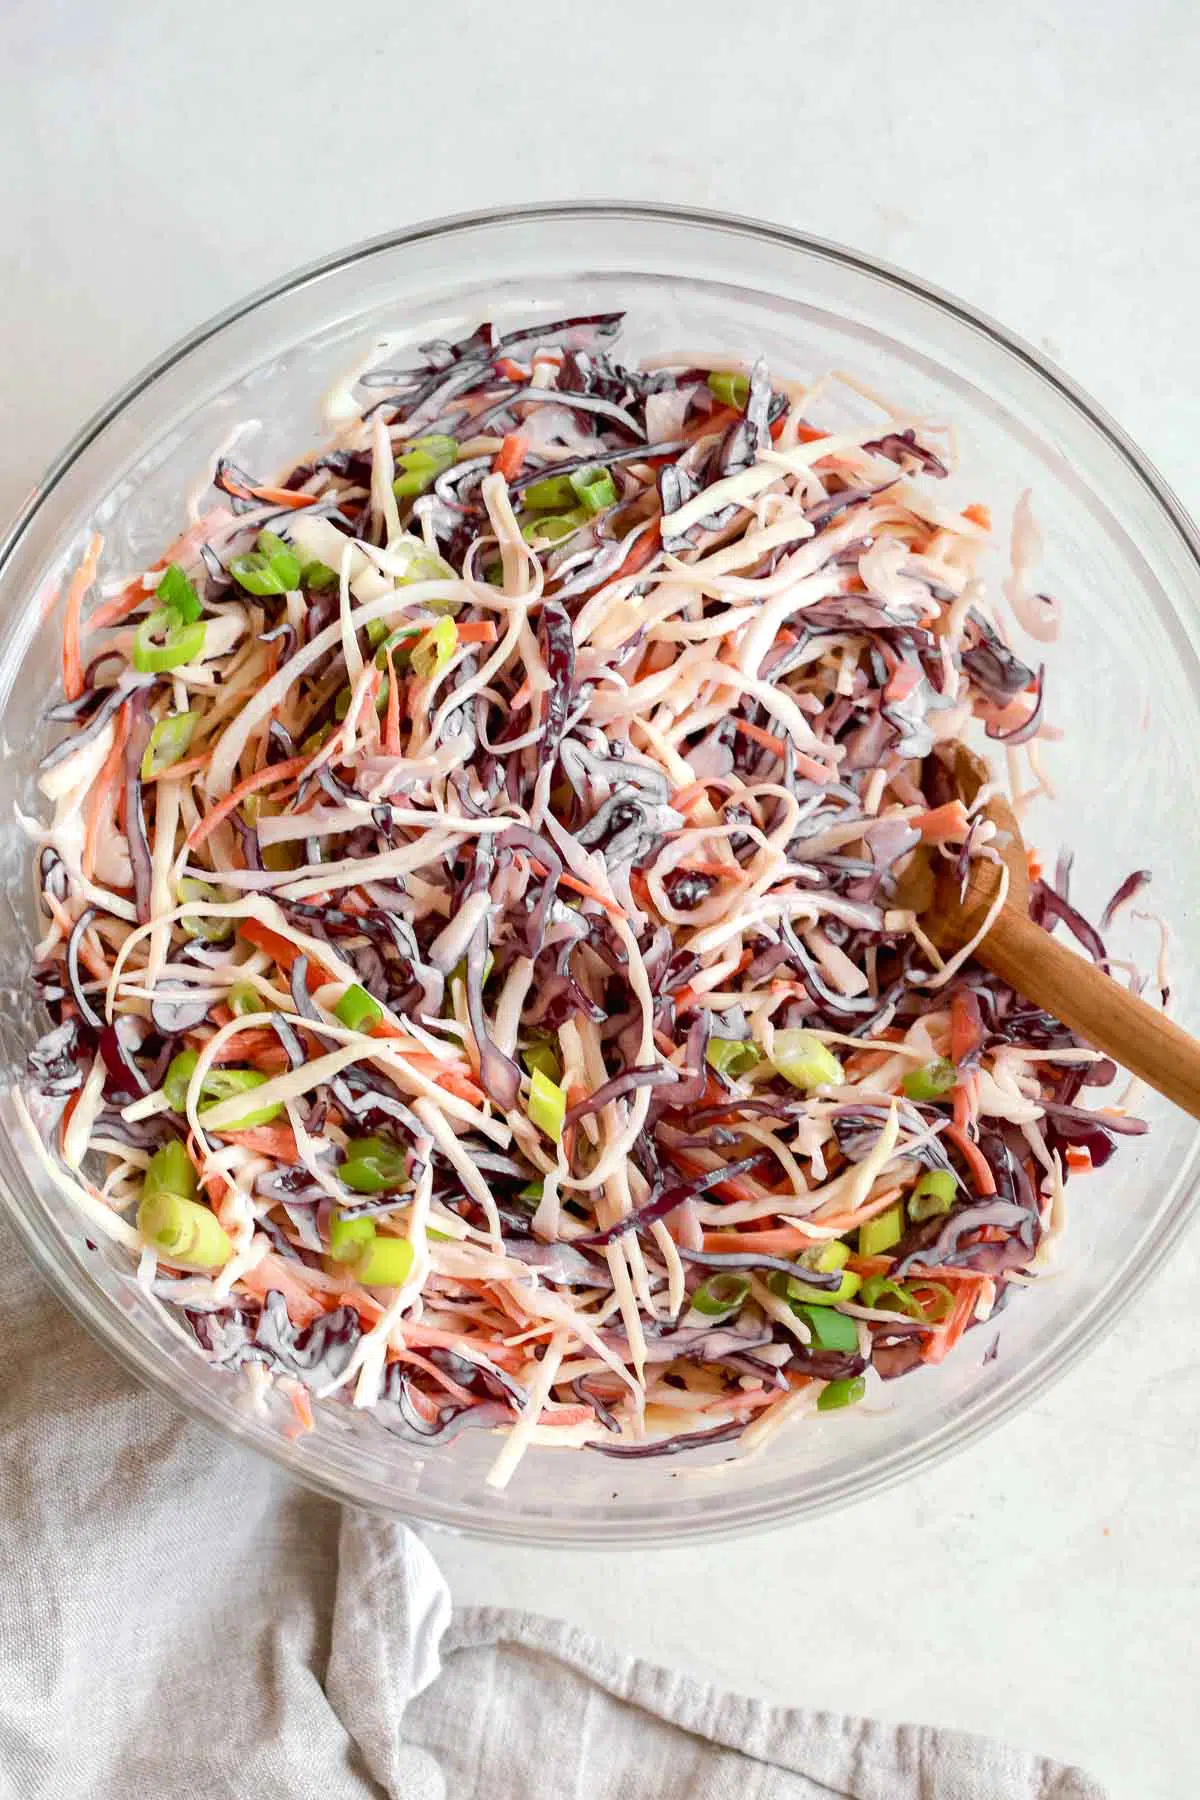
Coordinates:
<point>1072,988</point>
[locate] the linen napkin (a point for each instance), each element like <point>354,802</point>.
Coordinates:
<point>177,1622</point>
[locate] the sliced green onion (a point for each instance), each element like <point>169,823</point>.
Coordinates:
<point>243,999</point>
<point>805,1061</point>
<point>885,1295</point>
<point>225,1084</point>
<point>933,1194</point>
<point>435,649</point>
<point>384,1262</point>
<point>377,630</point>
<point>596,489</point>
<point>317,575</point>
<point>425,566</point>
<point>341,706</point>
<point>168,743</point>
<point>373,1165</point>
<point>831,1330</point>
<point>170,1171</point>
<point>459,973</point>
<point>549,492</point>
<point>932,1081</point>
<point>836,1394</point>
<point>547,1105</point>
<point>551,528</point>
<point>542,1056</point>
<point>178,1079</point>
<point>825,1258</point>
<point>176,593</point>
<point>733,1057</point>
<point>532,1191</point>
<point>282,558</point>
<point>218,1084</point>
<point>356,1009</point>
<point>211,931</point>
<point>722,1293</point>
<point>808,1295</point>
<point>285,856</point>
<point>183,1231</point>
<point>730,387</point>
<point>941,1304</point>
<point>397,643</point>
<point>424,460</point>
<point>494,574</point>
<point>256,573</point>
<point>347,1237</point>
<point>272,568</point>
<point>165,641</point>
<point>880,1233</point>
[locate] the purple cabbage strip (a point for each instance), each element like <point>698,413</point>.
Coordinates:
<point>557,644</point>
<point>1129,889</point>
<point>618,1087</point>
<point>1046,905</point>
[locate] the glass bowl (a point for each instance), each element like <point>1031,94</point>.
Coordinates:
<point>1119,554</point>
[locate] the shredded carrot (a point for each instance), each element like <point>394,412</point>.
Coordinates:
<point>805,765</point>
<point>567,880</point>
<point>883,1265</point>
<point>77,591</point>
<point>281,950</point>
<point>302,1407</point>
<point>655,659</point>
<point>966,1026</point>
<point>946,824</point>
<point>131,596</point>
<point>685,799</point>
<point>974,1158</point>
<point>962,1107</point>
<point>461,1086</point>
<point>261,778</point>
<point>94,964</point>
<point>273,1272</point>
<point>272,496</point>
<point>176,771</point>
<point>901,682</point>
<point>1079,1158</point>
<point>511,454</point>
<point>111,772</point>
<point>943,1339</point>
<point>978,514</point>
<point>511,371</point>
<point>565,1415</point>
<point>391,736</point>
<point>278,1141</point>
<point>644,551</point>
<point>778,1240</point>
<point>67,1111</point>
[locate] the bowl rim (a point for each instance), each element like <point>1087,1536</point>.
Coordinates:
<point>1025,1384</point>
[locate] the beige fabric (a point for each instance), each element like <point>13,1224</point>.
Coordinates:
<point>177,1623</point>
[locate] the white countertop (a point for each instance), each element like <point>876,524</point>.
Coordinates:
<point>1039,160</point>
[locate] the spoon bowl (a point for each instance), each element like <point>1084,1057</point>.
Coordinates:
<point>1071,987</point>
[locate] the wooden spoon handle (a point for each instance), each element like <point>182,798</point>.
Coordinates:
<point>1105,1014</point>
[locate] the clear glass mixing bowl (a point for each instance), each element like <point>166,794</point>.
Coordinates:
<point>1119,553</point>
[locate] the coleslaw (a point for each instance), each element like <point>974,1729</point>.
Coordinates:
<point>481,890</point>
